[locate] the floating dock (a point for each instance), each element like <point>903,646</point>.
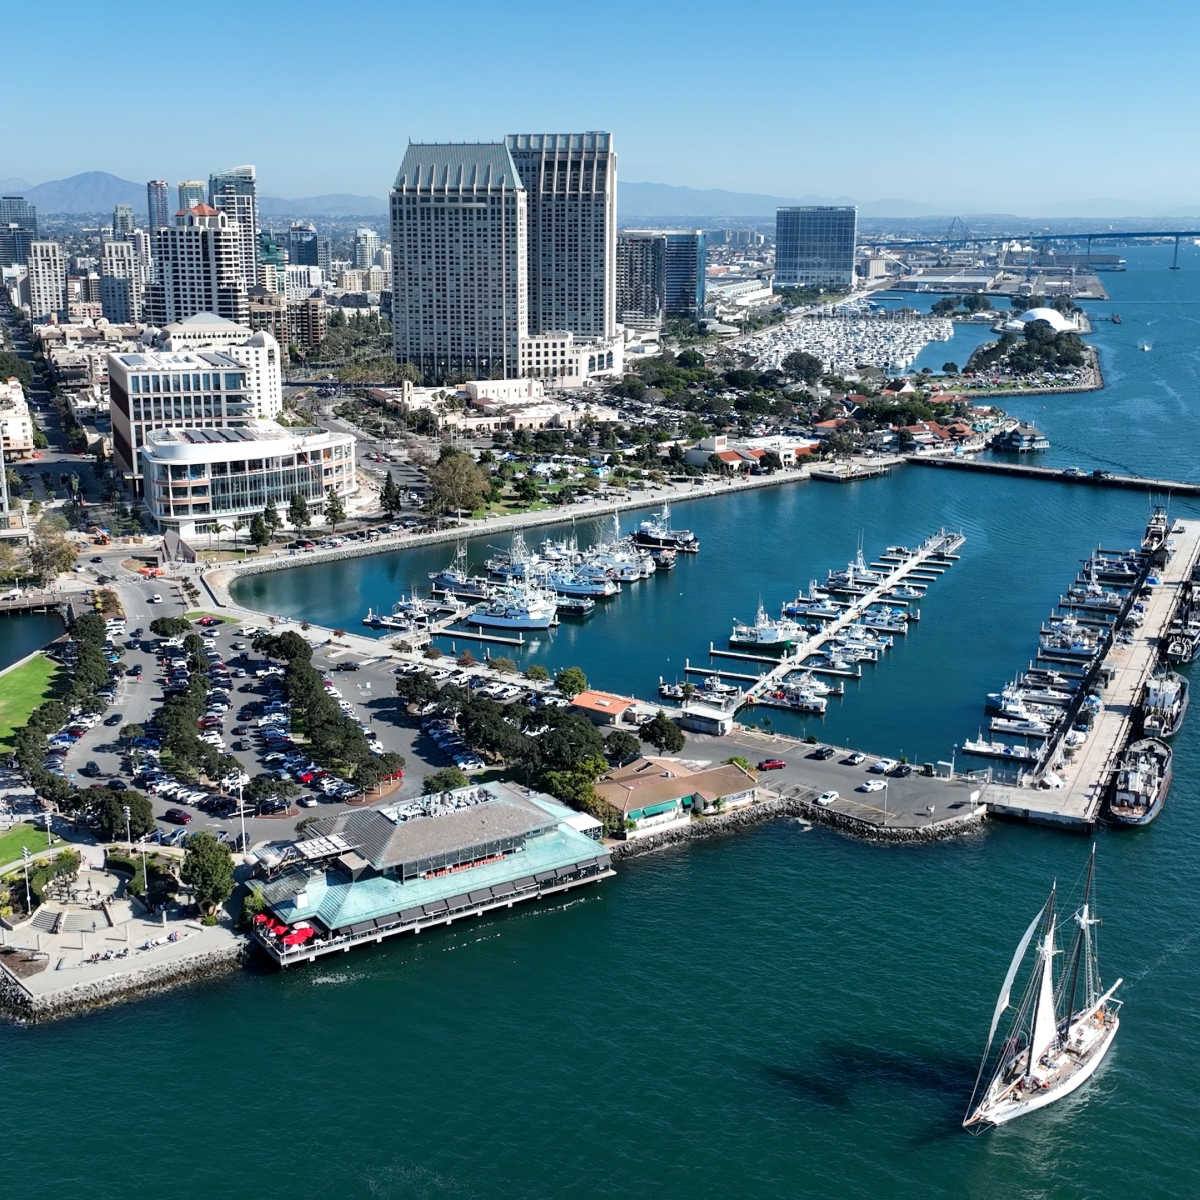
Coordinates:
<point>1120,681</point>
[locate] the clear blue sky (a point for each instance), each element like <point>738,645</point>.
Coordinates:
<point>971,106</point>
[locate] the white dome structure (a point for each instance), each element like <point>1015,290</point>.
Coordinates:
<point>1056,320</point>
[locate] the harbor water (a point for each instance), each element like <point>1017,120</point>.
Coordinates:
<point>782,1011</point>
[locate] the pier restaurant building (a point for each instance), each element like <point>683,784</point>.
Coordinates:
<point>370,873</point>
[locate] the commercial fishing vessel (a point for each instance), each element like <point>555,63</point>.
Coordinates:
<point>1062,1030</point>
<point>1164,705</point>
<point>1142,780</point>
<point>656,532</point>
<point>517,607</point>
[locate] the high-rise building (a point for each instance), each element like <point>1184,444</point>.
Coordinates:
<point>814,246</point>
<point>641,278</point>
<point>366,246</point>
<point>157,207</point>
<point>384,259</point>
<point>570,182</point>
<point>459,261</point>
<point>18,228</point>
<point>236,192</point>
<point>120,282</point>
<point>308,321</point>
<point>198,268</point>
<point>47,280</point>
<point>683,272</point>
<point>122,222</point>
<point>272,263</point>
<point>302,244</point>
<point>191,192</point>
<point>141,249</point>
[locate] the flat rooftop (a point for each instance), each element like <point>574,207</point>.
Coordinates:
<point>177,360</point>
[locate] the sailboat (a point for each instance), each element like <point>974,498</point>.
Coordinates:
<point>1060,1033</point>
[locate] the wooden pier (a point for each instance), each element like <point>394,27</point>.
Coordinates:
<point>1120,681</point>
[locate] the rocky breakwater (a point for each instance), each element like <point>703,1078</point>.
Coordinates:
<point>58,990</point>
<point>801,805</point>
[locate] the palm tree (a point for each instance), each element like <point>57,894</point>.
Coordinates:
<point>238,523</point>
<point>218,528</point>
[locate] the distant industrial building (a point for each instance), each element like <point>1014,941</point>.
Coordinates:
<point>814,246</point>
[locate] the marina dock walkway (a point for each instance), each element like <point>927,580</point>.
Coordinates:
<point>935,551</point>
<point>1086,780</point>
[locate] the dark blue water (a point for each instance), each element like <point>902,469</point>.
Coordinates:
<point>22,633</point>
<point>783,1012</point>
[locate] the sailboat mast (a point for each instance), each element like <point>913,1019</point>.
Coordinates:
<point>1081,935</point>
<point>1045,965</point>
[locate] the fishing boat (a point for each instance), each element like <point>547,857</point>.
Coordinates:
<point>517,607</point>
<point>456,580</point>
<point>1155,538</point>
<point>765,633</point>
<point>656,532</point>
<point>575,606</point>
<point>1060,1032</point>
<point>1164,705</point>
<point>1141,782</point>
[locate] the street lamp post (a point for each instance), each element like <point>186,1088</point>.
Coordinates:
<point>49,837</point>
<point>242,817</point>
<point>128,837</point>
<point>25,863</point>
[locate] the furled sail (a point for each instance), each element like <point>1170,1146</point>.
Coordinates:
<point>1014,966</point>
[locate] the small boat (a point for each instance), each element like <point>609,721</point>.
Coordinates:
<point>1164,705</point>
<point>575,606</point>
<point>993,749</point>
<point>1145,346</point>
<point>765,633</point>
<point>1155,538</point>
<point>1140,785</point>
<point>1061,1031</point>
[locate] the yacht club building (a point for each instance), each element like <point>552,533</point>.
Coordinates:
<point>196,479</point>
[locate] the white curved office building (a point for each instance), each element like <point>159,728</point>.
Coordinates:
<point>197,479</point>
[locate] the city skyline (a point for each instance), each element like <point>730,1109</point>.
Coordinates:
<point>833,131</point>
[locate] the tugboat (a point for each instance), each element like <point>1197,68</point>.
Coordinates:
<point>656,532</point>
<point>1142,779</point>
<point>1164,705</point>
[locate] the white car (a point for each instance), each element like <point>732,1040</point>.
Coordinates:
<point>873,785</point>
<point>856,758</point>
<point>825,799</point>
<point>882,767</point>
<point>155,599</point>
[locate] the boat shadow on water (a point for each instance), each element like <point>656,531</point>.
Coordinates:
<point>835,1075</point>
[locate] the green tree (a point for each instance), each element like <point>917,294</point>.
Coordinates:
<point>271,517</point>
<point>260,535</point>
<point>621,747</point>
<point>571,681</point>
<point>949,368</point>
<point>416,687</point>
<point>298,513</point>
<point>335,510</point>
<point>390,497</point>
<point>502,665</point>
<point>170,626</point>
<point>663,734</point>
<point>208,870</point>
<point>132,731</point>
<point>456,484</point>
<point>802,366</point>
<point>536,673</point>
<point>110,814</point>
<point>526,489</point>
<point>50,553</point>
<point>445,780</point>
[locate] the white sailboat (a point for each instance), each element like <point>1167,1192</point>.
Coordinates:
<point>1047,1055</point>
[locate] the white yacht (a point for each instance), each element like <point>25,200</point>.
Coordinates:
<point>518,607</point>
<point>765,633</point>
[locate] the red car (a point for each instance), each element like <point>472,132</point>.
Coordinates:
<point>177,816</point>
<point>209,621</point>
<point>772,764</point>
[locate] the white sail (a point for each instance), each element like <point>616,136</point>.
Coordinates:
<point>1005,991</point>
<point>1044,1034</point>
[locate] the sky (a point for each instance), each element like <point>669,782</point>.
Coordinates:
<point>1020,107</point>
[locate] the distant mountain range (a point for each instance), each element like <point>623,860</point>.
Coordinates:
<point>96,192</point>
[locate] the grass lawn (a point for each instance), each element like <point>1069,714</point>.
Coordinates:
<point>195,616</point>
<point>21,691</point>
<point>18,836</point>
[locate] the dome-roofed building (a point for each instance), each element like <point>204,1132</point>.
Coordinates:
<point>1056,320</point>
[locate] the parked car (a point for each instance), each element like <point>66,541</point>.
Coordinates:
<point>113,719</point>
<point>882,766</point>
<point>872,785</point>
<point>772,764</point>
<point>825,799</point>
<point>822,752</point>
<point>901,771</point>
<point>855,759</point>
<point>177,816</point>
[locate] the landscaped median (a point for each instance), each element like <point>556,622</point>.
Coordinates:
<point>22,689</point>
